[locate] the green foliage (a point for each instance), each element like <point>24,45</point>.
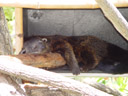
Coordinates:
<point>9,13</point>
<point>119,83</point>
<point>10,17</point>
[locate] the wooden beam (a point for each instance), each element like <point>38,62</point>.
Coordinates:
<point>59,4</point>
<point>33,74</point>
<point>116,18</point>
<point>18,29</point>
<point>46,60</point>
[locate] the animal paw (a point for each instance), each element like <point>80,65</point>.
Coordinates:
<point>76,71</point>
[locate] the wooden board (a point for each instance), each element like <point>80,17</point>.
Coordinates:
<point>57,4</point>
<point>91,73</point>
<point>18,30</point>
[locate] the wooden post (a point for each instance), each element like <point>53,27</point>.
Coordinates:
<point>18,29</point>
<point>113,14</point>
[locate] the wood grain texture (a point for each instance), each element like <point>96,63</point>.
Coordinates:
<point>49,78</point>
<point>47,60</point>
<point>115,17</point>
<point>18,30</point>
<point>57,4</point>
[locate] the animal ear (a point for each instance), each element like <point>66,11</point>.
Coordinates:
<point>44,39</point>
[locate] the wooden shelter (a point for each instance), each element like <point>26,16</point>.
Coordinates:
<point>48,4</point>
<point>22,5</point>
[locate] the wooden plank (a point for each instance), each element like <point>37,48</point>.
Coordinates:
<point>92,73</point>
<point>59,4</point>
<point>18,29</point>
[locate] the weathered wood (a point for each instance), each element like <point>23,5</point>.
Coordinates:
<point>104,88</point>
<point>47,60</point>
<point>8,86</point>
<point>112,13</point>
<point>5,40</point>
<point>43,90</point>
<point>49,78</point>
<point>18,29</point>
<point>57,4</point>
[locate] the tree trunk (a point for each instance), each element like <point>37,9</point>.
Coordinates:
<point>7,84</point>
<point>5,40</point>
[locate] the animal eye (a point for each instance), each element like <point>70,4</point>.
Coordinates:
<point>44,40</point>
<point>23,51</point>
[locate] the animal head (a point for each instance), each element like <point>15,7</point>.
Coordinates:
<point>35,45</point>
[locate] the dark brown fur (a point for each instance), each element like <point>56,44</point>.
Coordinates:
<point>88,50</point>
